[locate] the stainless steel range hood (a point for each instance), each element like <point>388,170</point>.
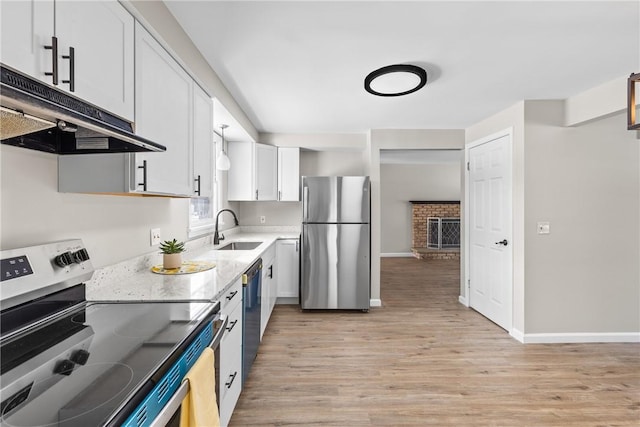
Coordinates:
<point>40,117</point>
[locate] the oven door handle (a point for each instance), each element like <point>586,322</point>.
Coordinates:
<point>215,342</point>
<point>174,403</point>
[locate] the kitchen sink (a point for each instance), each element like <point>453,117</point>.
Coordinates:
<point>240,246</point>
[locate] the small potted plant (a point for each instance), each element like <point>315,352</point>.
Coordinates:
<point>171,253</point>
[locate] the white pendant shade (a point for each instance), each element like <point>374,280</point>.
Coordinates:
<point>222,161</point>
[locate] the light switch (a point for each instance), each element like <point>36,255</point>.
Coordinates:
<point>543,227</point>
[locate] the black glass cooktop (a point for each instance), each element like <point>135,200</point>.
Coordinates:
<point>94,361</point>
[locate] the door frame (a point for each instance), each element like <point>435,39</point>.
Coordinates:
<point>466,298</point>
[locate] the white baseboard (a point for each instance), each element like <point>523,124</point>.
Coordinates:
<point>375,302</point>
<point>517,334</point>
<point>577,337</point>
<point>396,255</point>
<point>463,300</point>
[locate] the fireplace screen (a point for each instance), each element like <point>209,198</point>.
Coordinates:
<point>443,233</point>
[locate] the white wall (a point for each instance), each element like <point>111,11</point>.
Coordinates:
<point>585,275</point>
<point>573,280</point>
<point>400,183</point>
<point>113,228</point>
<point>331,163</point>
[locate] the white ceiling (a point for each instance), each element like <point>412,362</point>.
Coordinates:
<point>299,66</point>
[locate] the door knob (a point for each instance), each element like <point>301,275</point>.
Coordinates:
<point>502,242</point>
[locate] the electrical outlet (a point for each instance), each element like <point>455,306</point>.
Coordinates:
<point>155,236</point>
<point>263,219</point>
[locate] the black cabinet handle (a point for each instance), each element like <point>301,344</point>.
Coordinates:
<point>502,242</point>
<point>54,60</point>
<point>232,377</point>
<point>197,180</point>
<point>230,296</point>
<point>232,325</point>
<point>72,69</point>
<point>144,175</point>
<point>271,272</point>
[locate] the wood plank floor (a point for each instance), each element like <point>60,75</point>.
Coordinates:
<point>424,359</point>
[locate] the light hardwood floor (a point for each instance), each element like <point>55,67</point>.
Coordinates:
<point>425,360</point>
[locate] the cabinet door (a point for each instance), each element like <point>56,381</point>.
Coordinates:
<point>163,114</point>
<point>27,27</point>
<point>288,174</point>
<point>101,35</point>
<point>202,142</point>
<point>288,264</point>
<point>266,172</point>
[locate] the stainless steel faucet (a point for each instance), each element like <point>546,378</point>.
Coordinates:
<point>216,237</point>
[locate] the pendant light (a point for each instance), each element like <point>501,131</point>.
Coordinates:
<point>222,161</point>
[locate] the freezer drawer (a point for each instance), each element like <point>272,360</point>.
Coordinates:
<point>335,266</point>
<point>335,199</point>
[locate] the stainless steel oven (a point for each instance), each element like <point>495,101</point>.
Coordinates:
<point>69,362</point>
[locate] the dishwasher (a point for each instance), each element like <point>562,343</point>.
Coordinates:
<point>252,294</point>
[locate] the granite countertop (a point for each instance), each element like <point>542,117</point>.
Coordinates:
<point>133,280</point>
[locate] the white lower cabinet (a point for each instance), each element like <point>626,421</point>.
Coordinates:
<point>288,266</point>
<point>230,366</point>
<point>269,287</point>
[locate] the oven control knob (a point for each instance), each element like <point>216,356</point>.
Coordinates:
<point>64,367</point>
<point>81,255</point>
<point>64,259</point>
<point>80,357</point>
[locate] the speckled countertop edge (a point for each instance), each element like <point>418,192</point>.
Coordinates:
<point>132,280</point>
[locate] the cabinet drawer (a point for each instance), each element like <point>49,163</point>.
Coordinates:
<point>231,354</point>
<point>229,400</point>
<point>231,297</point>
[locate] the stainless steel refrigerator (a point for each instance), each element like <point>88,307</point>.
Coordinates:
<point>336,243</point>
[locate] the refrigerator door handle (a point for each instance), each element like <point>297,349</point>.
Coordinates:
<point>305,203</point>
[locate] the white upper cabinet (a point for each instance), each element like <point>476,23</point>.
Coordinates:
<point>289,174</point>
<point>267,172</point>
<point>163,114</point>
<point>203,146</point>
<point>82,47</point>
<point>27,27</point>
<point>172,110</point>
<point>253,172</point>
<point>101,36</point>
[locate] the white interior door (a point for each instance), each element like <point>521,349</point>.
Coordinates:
<point>490,246</point>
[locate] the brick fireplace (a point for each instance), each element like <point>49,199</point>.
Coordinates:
<point>421,211</point>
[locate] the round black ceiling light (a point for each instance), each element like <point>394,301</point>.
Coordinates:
<point>395,80</point>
